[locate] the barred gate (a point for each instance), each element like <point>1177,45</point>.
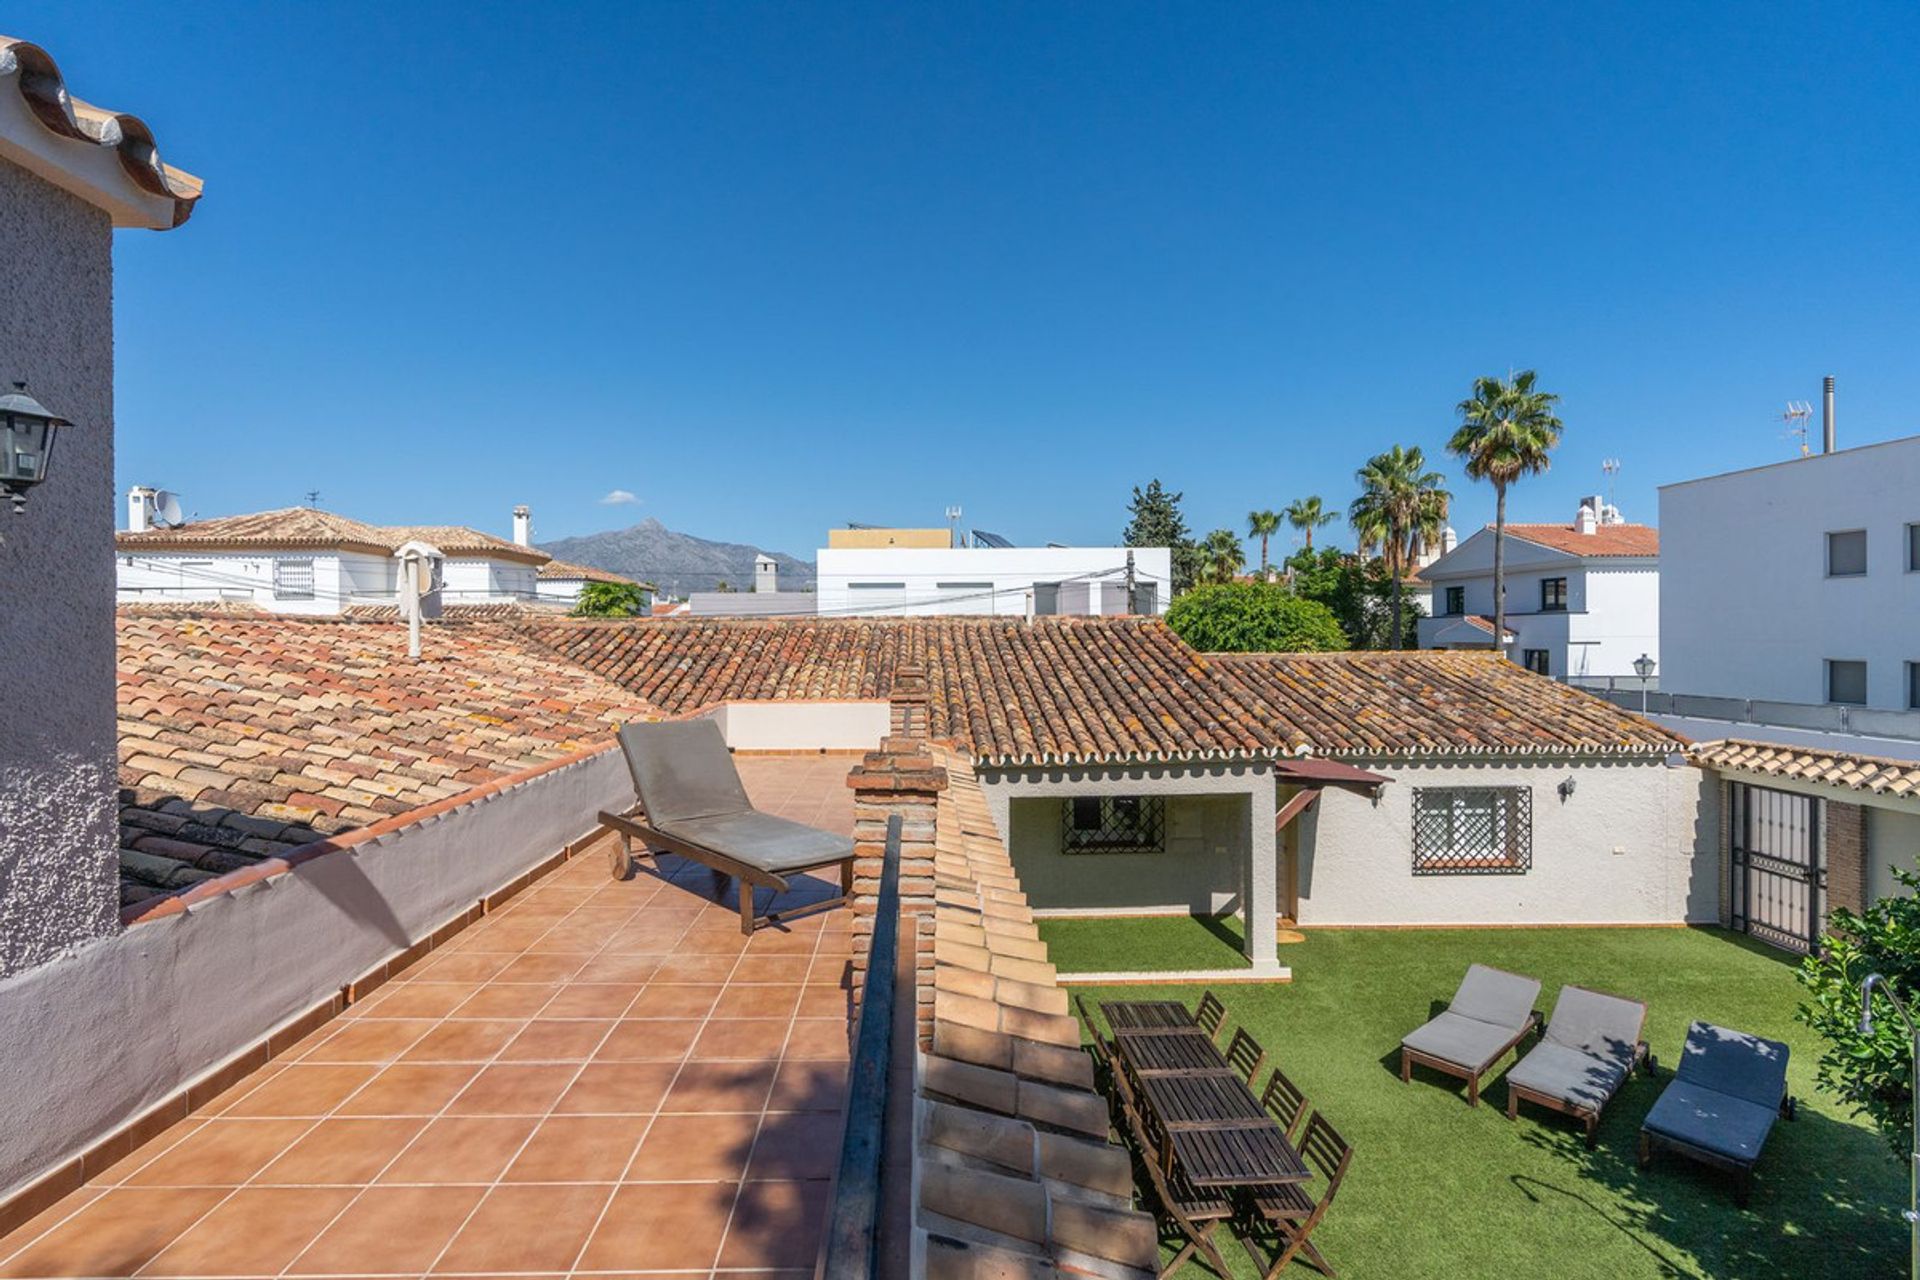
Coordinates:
<point>1779,876</point>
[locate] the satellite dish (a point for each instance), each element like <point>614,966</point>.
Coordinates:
<point>166,505</point>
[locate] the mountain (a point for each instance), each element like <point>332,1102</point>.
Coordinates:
<point>675,562</point>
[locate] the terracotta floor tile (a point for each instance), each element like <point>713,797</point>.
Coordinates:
<point>418,1000</point>
<point>741,1038</point>
<point>820,1000</point>
<point>618,968</point>
<point>785,970</point>
<point>618,1088</point>
<point>557,1040</point>
<point>648,1039</point>
<point>390,1229</point>
<point>695,969</point>
<point>796,1144</point>
<point>803,1085</point>
<point>757,1002</point>
<point>462,1149</point>
<point>304,1090</point>
<point>507,1000</point>
<point>779,941</point>
<point>463,1041</point>
<point>722,939</point>
<point>676,1000</point>
<point>48,1218</point>
<point>113,1236</point>
<point>410,1089</point>
<point>579,1149</point>
<point>341,1153</point>
<point>832,970</point>
<point>776,1224</point>
<point>720,1086</point>
<point>695,1147</point>
<point>514,1090</point>
<point>526,1228</point>
<point>541,968</point>
<point>593,1000</point>
<point>818,1038</point>
<point>370,1040</point>
<point>677,1226</point>
<point>258,1231</point>
<point>461,966</point>
<point>221,1153</point>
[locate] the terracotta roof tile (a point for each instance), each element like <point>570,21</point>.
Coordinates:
<point>1605,540</point>
<point>1879,775</point>
<point>568,571</point>
<point>306,528</point>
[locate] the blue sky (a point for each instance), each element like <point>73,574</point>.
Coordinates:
<point>775,267</point>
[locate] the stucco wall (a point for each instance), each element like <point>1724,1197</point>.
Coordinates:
<point>1199,871</point>
<point>171,1000</point>
<point>1633,844</point>
<point>1893,840</point>
<point>802,726</point>
<point>57,786</point>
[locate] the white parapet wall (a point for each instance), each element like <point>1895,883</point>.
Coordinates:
<point>801,726</point>
<point>172,999</point>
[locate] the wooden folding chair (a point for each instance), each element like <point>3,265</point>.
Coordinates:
<point>1284,1102</point>
<point>1212,1015</point>
<point>1292,1210</point>
<point>1106,1054</point>
<point>1245,1055</point>
<point>1195,1212</point>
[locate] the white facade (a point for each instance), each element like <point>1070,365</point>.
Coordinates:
<point>1604,616</point>
<point>307,582</point>
<point>1005,581</point>
<point>1749,608</point>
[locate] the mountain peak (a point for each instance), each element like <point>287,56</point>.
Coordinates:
<point>677,563</point>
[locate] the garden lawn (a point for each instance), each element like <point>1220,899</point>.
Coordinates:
<point>1438,1189</point>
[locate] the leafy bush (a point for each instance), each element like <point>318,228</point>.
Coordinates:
<point>1254,617</point>
<point>1871,1072</point>
<point>610,600</point>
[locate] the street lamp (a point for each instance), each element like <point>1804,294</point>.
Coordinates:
<point>1912,1215</point>
<point>1643,667</point>
<point>27,430</point>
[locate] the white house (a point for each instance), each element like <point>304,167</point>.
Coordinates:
<point>305,561</point>
<point>1797,582</point>
<point>1583,599</point>
<point>1002,581</point>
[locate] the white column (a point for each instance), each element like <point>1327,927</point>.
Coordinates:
<point>1261,899</point>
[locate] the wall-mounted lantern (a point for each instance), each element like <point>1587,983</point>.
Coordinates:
<point>27,430</point>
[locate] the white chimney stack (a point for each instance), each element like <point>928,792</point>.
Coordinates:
<point>1588,518</point>
<point>140,504</point>
<point>523,525</point>
<point>1448,540</point>
<point>1827,443</point>
<point>766,574</point>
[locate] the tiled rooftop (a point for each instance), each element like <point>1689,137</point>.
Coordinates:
<point>297,528</point>
<point>1878,775</point>
<point>600,1077</point>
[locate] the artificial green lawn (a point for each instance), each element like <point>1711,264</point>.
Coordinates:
<point>1438,1189</point>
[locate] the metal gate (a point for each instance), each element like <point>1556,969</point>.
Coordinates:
<point>1779,877</point>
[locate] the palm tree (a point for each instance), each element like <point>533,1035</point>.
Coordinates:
<point>1399,500</point>
<point>1507,430</point>
<point>1263,525</point>
<point>1221,556</point>
<point>1308,514</point>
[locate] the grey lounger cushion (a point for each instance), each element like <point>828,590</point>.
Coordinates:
<point>685,779</point>
<point>1586,1050</point>
<point>1725,1094</point>
<point>1487,1012</point>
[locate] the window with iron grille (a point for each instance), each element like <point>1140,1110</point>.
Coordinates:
<point>1456,601</point>
<point>1472,830</point>
<point>1114,824</point>
<point>293,579</point>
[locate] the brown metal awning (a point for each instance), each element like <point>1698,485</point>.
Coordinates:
<point>1310,771</point>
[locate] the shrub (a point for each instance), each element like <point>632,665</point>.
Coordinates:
<point>1254,617</point>
<point>610,600</point>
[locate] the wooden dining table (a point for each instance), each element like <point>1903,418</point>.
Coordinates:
<point>1220,1134</point>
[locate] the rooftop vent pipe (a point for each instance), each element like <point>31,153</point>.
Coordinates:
<point>1826,416</point>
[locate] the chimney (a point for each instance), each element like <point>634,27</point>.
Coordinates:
<point>1588,518</point>
<point>523,525</point>
<point>1826,416</point>
<point>1448,540</point>
<point>140,501</point>
<point>766,573</point>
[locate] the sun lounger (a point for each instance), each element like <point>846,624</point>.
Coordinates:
<point>1591,1044</point>
<point>691,802</point>
<point>1490,1014</point>
<point>1726,1093</point>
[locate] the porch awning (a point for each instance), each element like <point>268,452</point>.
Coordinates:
<point>1309,771</point>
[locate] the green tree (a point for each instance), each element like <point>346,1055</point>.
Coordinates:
<point>1263,525</point>
<point>1308,514</point>
<point>1399,499</point>
<point>1507,430</point>
<point>1222,556</point>
<point>1157,522</point>
<point>1870,1071</point>
<point>610,600</point>
<point>1359,592</point>
<point>1253,617</point>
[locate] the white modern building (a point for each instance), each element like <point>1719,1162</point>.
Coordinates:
<point>1797,582</point>
<point>300,560</point>
<point>1583,599</point>
<point>999,581</point>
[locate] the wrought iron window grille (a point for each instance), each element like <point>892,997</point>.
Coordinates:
<point>1114,824</point>
<point>1472,830</point>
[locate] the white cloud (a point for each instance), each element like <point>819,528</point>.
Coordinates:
<point>619,498</point>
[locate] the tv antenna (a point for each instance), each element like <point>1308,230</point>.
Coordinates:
<point>1611,467</point>
<point>1799,413</point>
<point>313,497</point>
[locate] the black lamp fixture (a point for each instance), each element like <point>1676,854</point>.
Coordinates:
<point>1643,666</point>
<point>27,430</point>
